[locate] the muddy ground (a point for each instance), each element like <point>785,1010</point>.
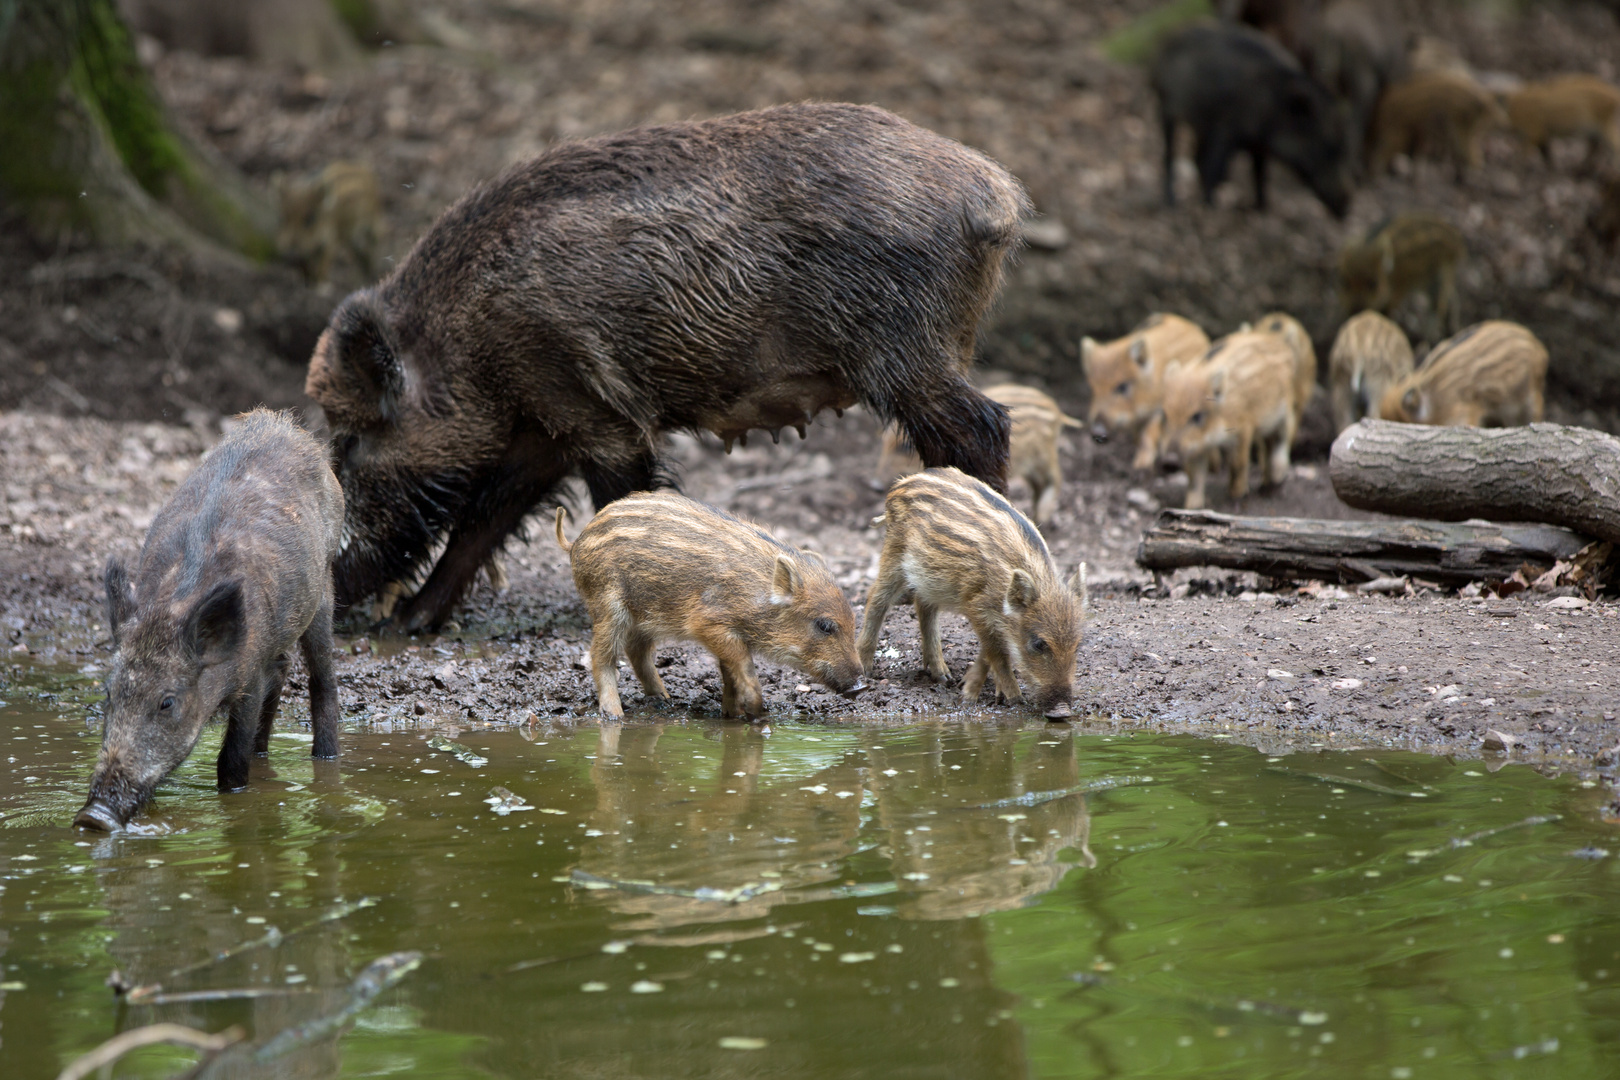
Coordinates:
<point>116,368</point>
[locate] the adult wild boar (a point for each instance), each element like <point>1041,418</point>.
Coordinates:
<point>236,570</point>
<point>1239,90</point>
<point>723,275</point>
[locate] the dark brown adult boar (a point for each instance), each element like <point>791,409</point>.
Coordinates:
<point>235,571</point>
<point>724,275</point>
<point>952,544</point>
<point>656,566</point>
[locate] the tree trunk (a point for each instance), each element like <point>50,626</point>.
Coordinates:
<point>1541,472</point>
<point>89,148</point>
<point>1351,551</point>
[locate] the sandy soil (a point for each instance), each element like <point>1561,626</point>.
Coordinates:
<point>116,369</point>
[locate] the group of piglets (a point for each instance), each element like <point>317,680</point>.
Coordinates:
<point>725,275</point>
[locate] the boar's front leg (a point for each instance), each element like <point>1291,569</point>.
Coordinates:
<point>236,750</point>
<point>272,701</point>
<point>960,428</point>
<point>740,694</point>
<point>973,681</point>
<point>325,707</point>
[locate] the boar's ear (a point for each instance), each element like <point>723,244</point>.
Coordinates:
<point>1088,348</point>
<point>1077,585</point>
<point>1020,591</point>
<point>215,624</point>
<point>1217,384</point>
<point>786,581</point>
<point>356,370</point>
<point>120,596</point>
<point>1139,353</point>
<point>1411,404</point>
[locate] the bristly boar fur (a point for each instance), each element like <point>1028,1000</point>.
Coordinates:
<point>1369,355</point>
<point>953,544</point>
<point>723,275</point>
<point>235,571</point>
<point>1127,379</point>
<point>1037,431</point>
<point>657,566</point>
<point>1293,332</point>
<point>1493,374</point>
<point>1239,397</point>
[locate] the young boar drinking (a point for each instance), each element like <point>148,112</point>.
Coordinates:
<point>236,570</point>
<point>657,566</point>
<point>723,275</point>
<point>953,544</point>
<point>1239,90</point>
<point>1240,396</point>
<point>1370,355</point>
<point>1037,428</point>
<point>1493,374</point>
<point>1127,379</point>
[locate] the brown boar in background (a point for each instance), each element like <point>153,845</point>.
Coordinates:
<point>1434,112</point>
<point>336,211</point>
<point>1370,354</point>
<point>1298,341</point>
<point>1037,430</point>
<point>1240,397</point>
<point>953,544</point>
<point>1407,255</point>
<point>1126,376</point>
<point>1570,106</point>
<point>1493,374</point>
<point>236,570</point>
<point>657,566</point>
<point>729,274</point>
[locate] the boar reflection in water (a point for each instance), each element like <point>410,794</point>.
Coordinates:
<point>723,275</point>
<point>235,571</point>
<point>656,566</point>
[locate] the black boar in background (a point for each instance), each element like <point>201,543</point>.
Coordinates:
<point>724,275</point>
<point>1240,90</point>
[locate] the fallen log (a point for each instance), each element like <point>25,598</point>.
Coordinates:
<point>1566,476</point>
<point>1351,551</point>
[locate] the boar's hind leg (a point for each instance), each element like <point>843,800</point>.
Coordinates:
<point>272,701</point>
<point>928,630</point>
<point>325,708</point>
<point>640,649</point>
<point>961,428</point>
<point>610,484</point>
<point>886,591</point>
<point>605,668</point>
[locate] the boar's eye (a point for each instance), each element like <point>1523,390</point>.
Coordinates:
<point>826,626</point>
<point>1197,417</point>
<point>166,704</point>
<point>1037,645</point>
<point>1123,388</point>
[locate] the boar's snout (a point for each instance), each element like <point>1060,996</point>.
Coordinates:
<point>1099,432</point>
<point>96,814</point>
<point>1056,702</point>
<point>843,677</point>
<point>1058,710</point>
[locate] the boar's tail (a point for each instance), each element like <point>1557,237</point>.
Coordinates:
<point>562,514</point>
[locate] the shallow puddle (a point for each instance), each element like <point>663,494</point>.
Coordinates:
<point>692,898</point>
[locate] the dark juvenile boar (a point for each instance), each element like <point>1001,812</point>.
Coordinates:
<point>337,211</point>
<point>1239,91</point>
<point>1406,255</point>
<point>236,570</point>
<point>1127,379</point>
<point>657,566</point>
<point>1493,374</point>
<point>729,274</point>
<point>953,544</point>
<point>1370,355</point>
<point>1570,106</point>
<point>1437,112</point>
<point>1358,52</point>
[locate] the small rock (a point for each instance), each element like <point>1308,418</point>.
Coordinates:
<point>1279,673</point>
<point>20,649</point>
<point>1345,684</point>
<point>1568,603</point>
<point>1500,742</point>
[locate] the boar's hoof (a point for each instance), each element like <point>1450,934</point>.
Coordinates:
<point>97,815</point>
<point>1060,711</point>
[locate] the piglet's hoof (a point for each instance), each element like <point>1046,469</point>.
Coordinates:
<point>1060,711</point>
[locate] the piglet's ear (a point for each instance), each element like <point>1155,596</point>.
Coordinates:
<point>786,581</point>
<point>1020,591</point>
<point>356,372</point>
<point>216,624</point>
<point>1087,348</point>
<point>1139,353</point>
<point>120,596</point>
<point>1411,404</point>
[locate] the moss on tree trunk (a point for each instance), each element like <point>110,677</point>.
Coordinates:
<point>89,147</point>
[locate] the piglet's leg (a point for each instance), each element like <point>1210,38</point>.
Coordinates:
<point>605,670</point>
<point>325,707</point>
<point>642,656</point>
<point>928,630</point>
<point>740,694</point>
<point>236,750</point>
<point>888,588</point>
<point>973,681</point>
<point>1001,665</point>
<point>272,701</point>
<point>1147,445</point>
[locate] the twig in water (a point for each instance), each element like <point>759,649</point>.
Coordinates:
<point>103,1056</point>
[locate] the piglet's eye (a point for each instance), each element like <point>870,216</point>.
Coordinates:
<point>1198,417</point>
<point>166,704</point>
<point>1123,388</point>
<point>826,626</point>
<point>1037,645</point>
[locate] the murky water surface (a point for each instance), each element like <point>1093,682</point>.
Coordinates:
<point>696,899</point>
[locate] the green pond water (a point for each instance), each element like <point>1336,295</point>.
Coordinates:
<point>696,899</point>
